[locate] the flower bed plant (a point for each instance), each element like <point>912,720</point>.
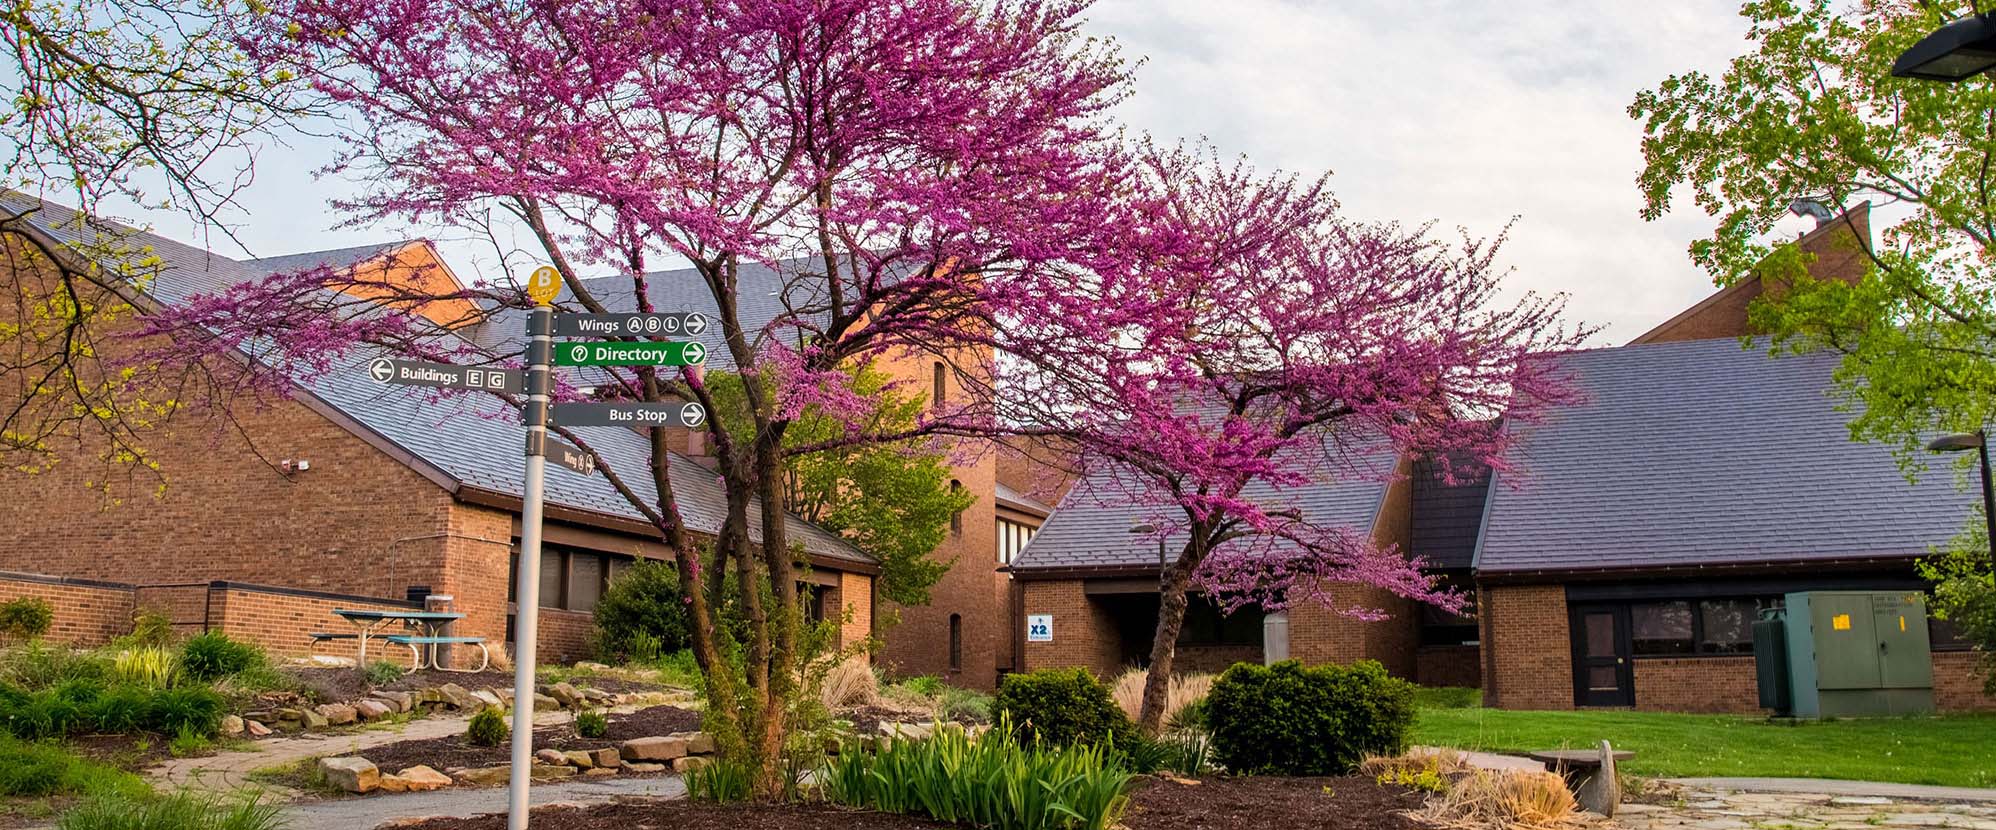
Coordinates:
<point>994,781</point>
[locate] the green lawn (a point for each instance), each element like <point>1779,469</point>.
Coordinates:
<point>1957,749</point>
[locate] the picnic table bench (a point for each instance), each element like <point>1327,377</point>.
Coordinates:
<point>368,622</point>
<point>1590,772</point>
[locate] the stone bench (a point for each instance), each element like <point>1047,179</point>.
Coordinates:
<point>1590,773</point>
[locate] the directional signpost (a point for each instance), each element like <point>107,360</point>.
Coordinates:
<point>543,286</point>
<point>630,354</point>
<point>445,376</point>
<point>690,323</point>
<point>630,414</point>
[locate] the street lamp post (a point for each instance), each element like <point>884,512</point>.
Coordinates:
<point>1978,441</point>
<point>1960,50</point>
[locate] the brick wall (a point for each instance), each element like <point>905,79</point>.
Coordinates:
<point>1958,683</point>
<point>86,613</point>
<point>1083,633</point>
<point>1447,666</point>
<point>1318,634</point>
<point>186,605</point>
<point>564,636</point>
<point>1695,684</point>
<point>278,619</point>
<point>855,595</point>
<point>1528,654</point>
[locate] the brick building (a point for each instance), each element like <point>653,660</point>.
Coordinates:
<point>350,492</point>
<point>1693,482</point>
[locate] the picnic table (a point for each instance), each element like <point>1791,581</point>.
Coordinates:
<point>368,622</point>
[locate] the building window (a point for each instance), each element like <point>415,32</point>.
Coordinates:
<point>956,642</point>
<point>1012,538</point>
<point>936,388</point>
<point>1206,626</point>
<point>955,519</point>
<point>1704,626</point>
<point>572,580</point>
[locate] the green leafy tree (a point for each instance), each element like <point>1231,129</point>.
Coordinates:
<point>1812,113</point>
<point>892,500</point>
<point>1964,596</point>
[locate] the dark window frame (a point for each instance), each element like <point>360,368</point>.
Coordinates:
<point>1700,646</point>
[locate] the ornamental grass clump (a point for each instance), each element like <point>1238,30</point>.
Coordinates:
<point>1503,800</point>
<point>995,782</point>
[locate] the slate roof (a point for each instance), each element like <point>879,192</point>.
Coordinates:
<point>1090,528</point>
<point>1014,498</point>
<point>336,258</point>
<point>1447,511</point>
<point>475,440</point>
<point>1702,453</point>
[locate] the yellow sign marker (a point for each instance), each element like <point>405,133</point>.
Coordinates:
<point>1902,622</point>
<point>1840,622</point>
<point>544,285</point>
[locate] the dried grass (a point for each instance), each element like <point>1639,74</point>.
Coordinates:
<point>1503,800</point>
<point>1437,761</point>
<point>1184,690</point>
<point>850,683</point>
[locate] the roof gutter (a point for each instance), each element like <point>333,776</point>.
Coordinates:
<point>1744,568</point>
<point>1031,574</point>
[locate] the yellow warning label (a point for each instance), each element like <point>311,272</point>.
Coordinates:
<point>1902,622</point>
<point>1840,622</point>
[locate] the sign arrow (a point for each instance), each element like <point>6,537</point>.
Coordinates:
<point>696,323</point>
<point>692,414</point>
<point>381,369</point>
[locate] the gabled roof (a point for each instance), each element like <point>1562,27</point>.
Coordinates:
<point>1016,500</point>
<point>1090,529</point>
<point>1702,453</point>
<point>462,440</point>
<point>335,259</point>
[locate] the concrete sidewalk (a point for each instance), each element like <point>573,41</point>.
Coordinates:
<point>1832,787</point>
<point>367,812</point>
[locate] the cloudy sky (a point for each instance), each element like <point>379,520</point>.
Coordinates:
<point>1467,114</point>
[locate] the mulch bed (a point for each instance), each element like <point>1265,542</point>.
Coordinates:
<point>454,751</point>
<point>336,684</point>
<point>1352,803</point>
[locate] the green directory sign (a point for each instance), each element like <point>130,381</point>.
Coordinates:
<point>629,354</point>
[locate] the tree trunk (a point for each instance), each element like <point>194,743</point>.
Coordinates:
<point>1171,602</point>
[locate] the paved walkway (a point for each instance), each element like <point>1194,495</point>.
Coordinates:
<point>1824,786</point>
<point>1720,808</point>
<point>369,811</point>
<point>229,771</point>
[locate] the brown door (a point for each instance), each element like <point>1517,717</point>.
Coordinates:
<point>1602,674</point>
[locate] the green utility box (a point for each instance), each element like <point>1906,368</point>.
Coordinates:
<point>1855,653</point>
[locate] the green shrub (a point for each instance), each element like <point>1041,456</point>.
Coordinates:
<point>187,743</point>
<point>193,709</point>
<point>721,782</point>
<point>31,769</point>
<point>964,704</point>
<point>681,669</point>
<point>151,628</point>
<point>382,672</point>
<point>926,685</point>
<point>46,714</point>
<point>591,724</point>
<point>149,666</point>
<point>994,782</point>
<point>487,728</point>
<point>179,811</point>
<point>1292,720</point>
<point>39,664</point>
<point>206,657</point>
<point>1061,707</point>
<point>120,710</point>
<point>25,617</point>
<point>642,616</point>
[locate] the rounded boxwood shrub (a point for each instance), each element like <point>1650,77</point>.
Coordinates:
<point>1061,707</point>
<point>1291,720</point>
<point>642,616</point>
<point>487,728</point>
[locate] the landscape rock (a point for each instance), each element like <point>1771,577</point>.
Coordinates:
<point>549,773</point>
<point>658,748</point>
<point>399,701</point>
<point>545,703</point>
<point>644,767</point>
<point>314,719</point>
<point>266,717</point>
<point>505,695</point>
<point>698,743</point>
<point>690,763</point>
<point>550,756</point>
<point>421,778</point>
<point>394,784</point>
<point>579,758</point>
<point>232,725</point>
<point>256,729</point>
<point>290,715</point>
<point>352,773</point>
<point>599,772</point>
<point>490,700</point>
<point>605,757</point>
<point>485,776</point>
<point>337,714</point>
<point>565,694</point>
<point>457,696</point>
<point>589,666</point>
<point>372,709</point>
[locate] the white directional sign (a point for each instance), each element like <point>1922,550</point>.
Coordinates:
<point>444,375</point>
<point>675,324</point>
<point>629,414</point>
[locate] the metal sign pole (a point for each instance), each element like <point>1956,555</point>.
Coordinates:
<point>540,329</point>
